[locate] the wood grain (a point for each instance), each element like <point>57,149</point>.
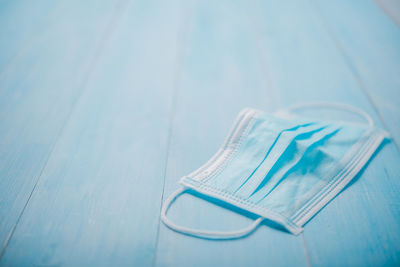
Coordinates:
<point>98,199</point>
<point>105,105</point>
<point>369,41</point>
<point>43,72</point>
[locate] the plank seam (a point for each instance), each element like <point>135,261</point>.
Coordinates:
<point>266,80</point>
<point>306,250</point>
<point>353,69</point>
<point>182,31</point>
<point>110,28</point>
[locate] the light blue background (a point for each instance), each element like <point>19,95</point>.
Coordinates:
<point>105,104</point>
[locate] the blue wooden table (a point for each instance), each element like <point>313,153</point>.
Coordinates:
<point>105,104</point>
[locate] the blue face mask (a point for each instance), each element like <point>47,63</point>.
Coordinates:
<point>282,168</point>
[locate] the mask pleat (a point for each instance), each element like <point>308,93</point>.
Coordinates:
<point>282,143</point>
<point>294,157</point>
<point>260,159</point>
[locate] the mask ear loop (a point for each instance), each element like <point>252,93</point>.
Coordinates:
<point>339,106</point>
<point>202,233</point>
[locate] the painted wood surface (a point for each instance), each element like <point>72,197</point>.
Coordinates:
<point>376,65</point>
<point>103,206</point>
<point>308,64</point>
<point>104,105</point>
<point>45,61</point>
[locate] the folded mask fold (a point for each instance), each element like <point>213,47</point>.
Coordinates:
<point>293,157</point>
<point>241,122</point>
<point>273,146</point>
<point>231,147</point>
<point>350,165</point>
<point>285,148</point>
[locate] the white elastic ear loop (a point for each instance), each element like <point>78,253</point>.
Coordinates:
<point>340,106</point>
<point>202,233</point>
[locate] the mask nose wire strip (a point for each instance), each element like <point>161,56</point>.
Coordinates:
<point>339,106</point>
<point>202,233</point>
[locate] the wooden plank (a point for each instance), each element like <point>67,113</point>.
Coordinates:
<point>370,41</point>
<point>38,89</point>
<point>97,201</point>
<point>361,226</point>
<point>222,73</point>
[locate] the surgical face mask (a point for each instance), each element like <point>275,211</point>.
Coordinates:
<point>281,167</point>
